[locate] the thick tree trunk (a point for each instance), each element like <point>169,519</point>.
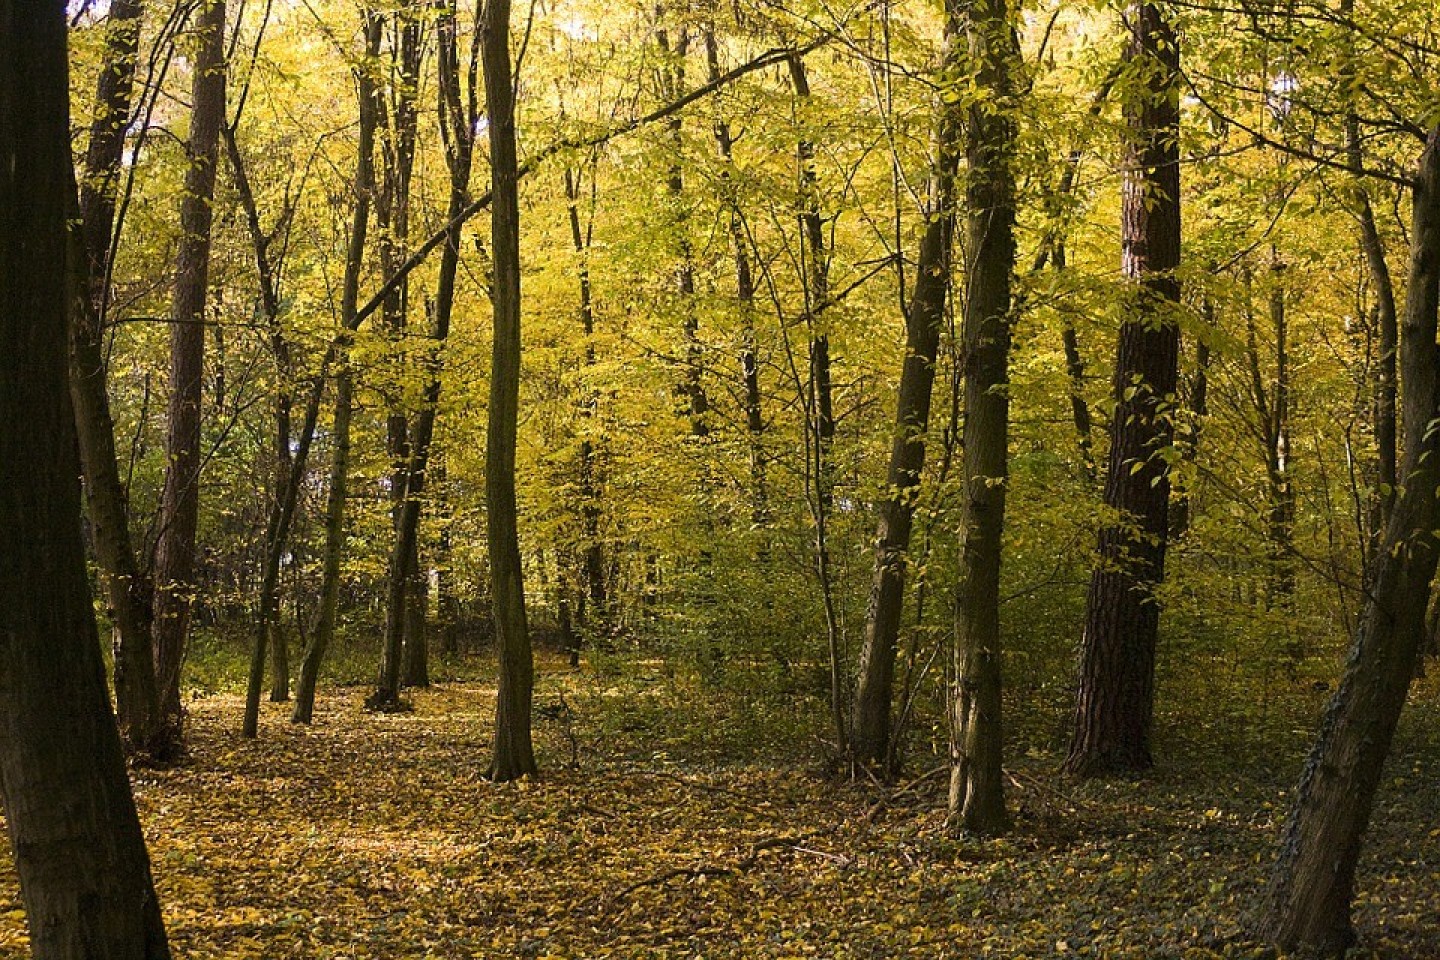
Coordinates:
<point>1307,906</point>
<point>84,873</point>
<point>1115,700</point>
<point>180,498</point>
<point>514,755</point>
<point>127,588</point>
<point>869,739</point>
<point>977,785</point>
<point>324,633</point>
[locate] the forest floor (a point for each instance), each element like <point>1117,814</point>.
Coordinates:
<point>656,831</point>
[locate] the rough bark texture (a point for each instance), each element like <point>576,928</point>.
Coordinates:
<point>1307,907</point>
<point>514,754</point>
<point>84,873</point>
<point>1115,700</point>
<point>180,498</point>
<point>977,785</point>
<point>127,588</point>
<point>869,738</point>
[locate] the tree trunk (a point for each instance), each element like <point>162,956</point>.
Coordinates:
<point>590,509</point>
<point>745,299</point>
<point>1115,700</point>
<point>180,498</point>
<point>869,739</point>
<point>461,123</point>
<point>977,785</point>
<point>127,589</point>
<point>1307,906</point>
<point>693,385</point>
<point>84,873</point>
<point>514,755</point>
<point>325,620</point>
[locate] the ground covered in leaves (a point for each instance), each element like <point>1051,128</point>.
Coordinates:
<point>659,828</point>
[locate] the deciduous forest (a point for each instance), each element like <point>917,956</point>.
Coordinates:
<point>668,478</point>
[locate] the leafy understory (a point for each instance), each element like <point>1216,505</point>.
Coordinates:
<point>377,836</point>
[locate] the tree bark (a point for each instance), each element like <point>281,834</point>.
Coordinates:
<point>180,497</point>
<point>590,508</point>
<point>869,735</point>
<point>1308,903</point>
<point>977,784</point>
<point>127,588</point>
<point>744,298</point>
<point>1115,700</point>
<point>84,872</point>
<point>514,754</point>
<point>320,639</point>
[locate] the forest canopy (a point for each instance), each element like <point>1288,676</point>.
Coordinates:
<point>900,477</point>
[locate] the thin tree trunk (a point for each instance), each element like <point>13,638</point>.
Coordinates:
<point>870,709</point>
<point>1115,700</point>
<point>460,118</point>
<point>1180,510</point>
<point>977,785</point>
<point>693,387</point>
<point>745,298</point>
<point>180,497</point>
<point>84,872</point>
<point>590,508</point>
<point>819,399</point>
<point>514,754</point>
<point>344,394</point>
<point>1308,903</point>
<point>127,588</point>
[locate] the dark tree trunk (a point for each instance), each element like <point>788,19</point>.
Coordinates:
<point>745,299</point>
<point>819,396</point>
<point>514,753</point>
<point>127,588</point>
<point>459,116</point>
<point>693,385</point>
<point>869,739</point>
<point>180,498</point>
<point>1115,700</point>
<point>590,507</point>
<point>324,633</point>
<point>977,785</point>
<point>84,873</point>
<point>1307,906</point>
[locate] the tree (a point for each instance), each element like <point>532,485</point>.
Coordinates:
<point>514,754</point>
<point>180,502</point>
<point>127,587</point>
<point>1115,700</point>
<point>869,735</point>
<point>977,786</point>
<point>1307,905</point>
<point>84,872</point>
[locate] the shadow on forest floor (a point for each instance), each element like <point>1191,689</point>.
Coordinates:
<point>376,836</point>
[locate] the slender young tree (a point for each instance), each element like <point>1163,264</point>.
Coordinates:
<point>326,616</point>
<point>1308,903</point>
<point>84,873</point>
<point>460,119</point>
<point>127,587</point>
<point>180,498</point>
<point>514,754</point>
<point>869,735</point>
<point>1115,701</point>
<point>977,784</point>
